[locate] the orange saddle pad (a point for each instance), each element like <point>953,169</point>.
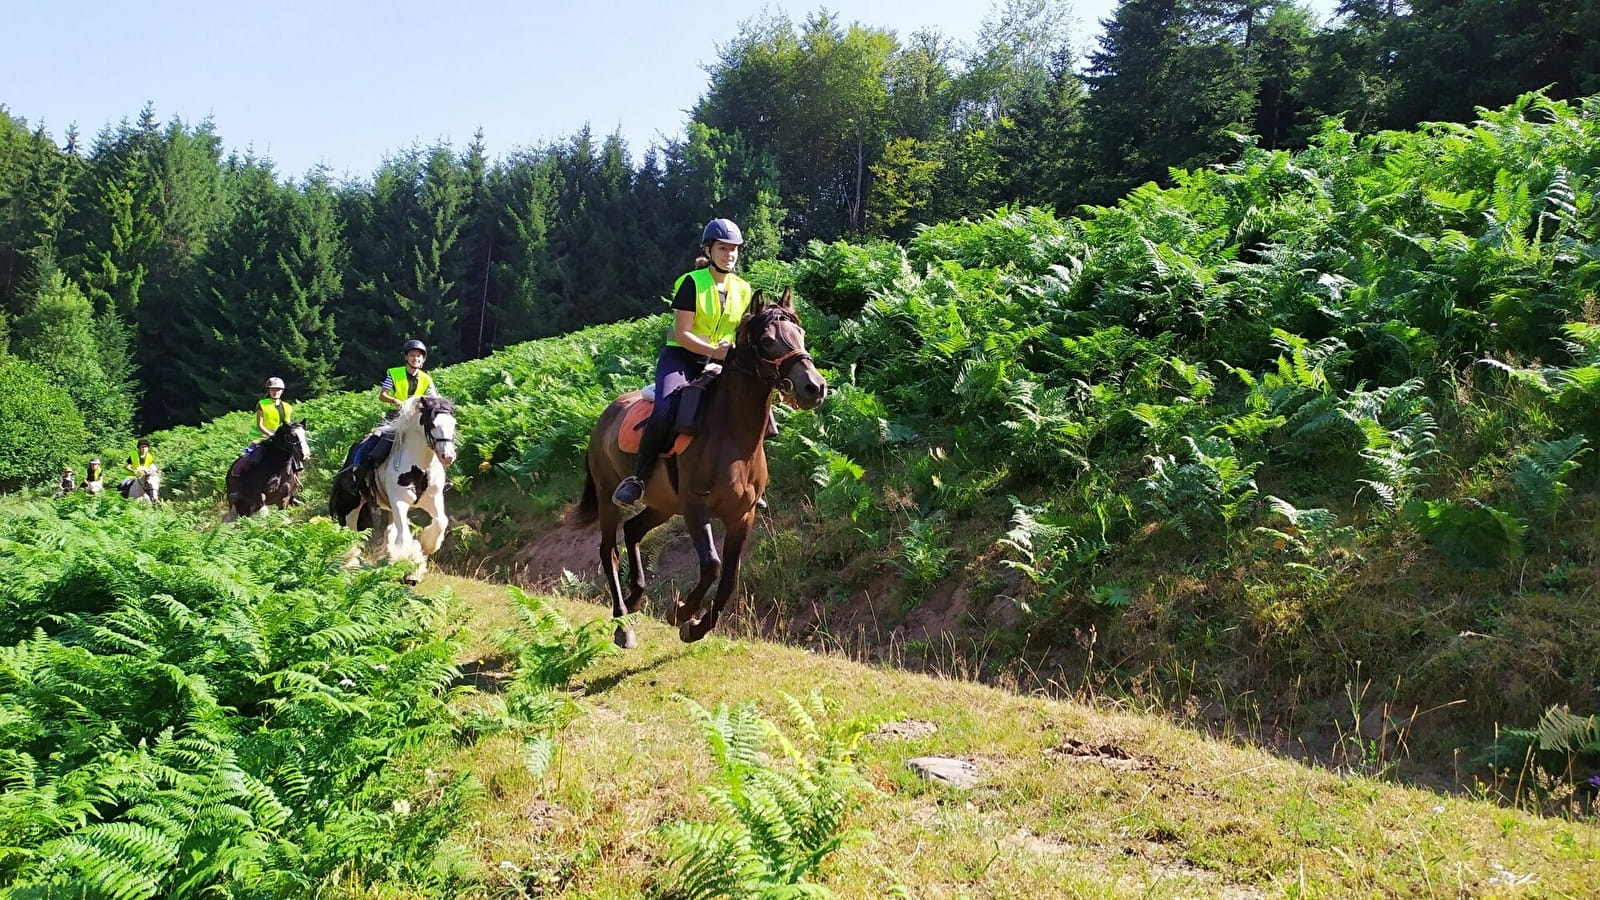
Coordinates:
<point>633,422</point>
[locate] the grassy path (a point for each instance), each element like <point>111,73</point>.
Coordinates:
<point>1073,802</point>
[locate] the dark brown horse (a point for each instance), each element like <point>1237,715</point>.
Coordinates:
<point>269,474</point>
<point>719,476</point>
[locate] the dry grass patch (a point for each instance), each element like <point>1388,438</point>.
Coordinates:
<point>1073,801</point>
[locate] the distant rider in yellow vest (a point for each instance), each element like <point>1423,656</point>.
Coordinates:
<point>93,473</point>
<point>271,410</point>
<point>707,305</point>
<point>140,458</point>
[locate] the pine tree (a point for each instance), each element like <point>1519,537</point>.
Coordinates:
<point>142,214</point>
<point>1166,88</point>
<point>404,236</point>
<point>524,192</point>
<point>260,308</point>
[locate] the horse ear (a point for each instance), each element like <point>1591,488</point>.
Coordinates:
<point>787,302</point>
<point>758,302</point>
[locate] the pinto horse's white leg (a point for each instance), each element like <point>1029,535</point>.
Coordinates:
<point>397,537</point>
<point>402,546</point>
<point>432,503</point>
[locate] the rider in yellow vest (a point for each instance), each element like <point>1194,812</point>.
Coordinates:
<point>403,382</point>
<point>93,473</point>
<point>140,458</point>
<point>271,411</point>
<point>399,385</point>
<point>707,305</point>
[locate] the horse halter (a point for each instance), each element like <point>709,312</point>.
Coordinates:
<point>777,381</point>
<point>298,449</point>
<point>427,432</point>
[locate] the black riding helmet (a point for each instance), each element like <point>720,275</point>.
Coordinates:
<point>721,230</point>
<point>414,345</point>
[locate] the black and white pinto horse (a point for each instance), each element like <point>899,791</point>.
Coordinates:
<point>411,477</point>
<point>269,474</point>
<point>144,485</point>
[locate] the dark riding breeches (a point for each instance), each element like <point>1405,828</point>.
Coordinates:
<point>675,367</point>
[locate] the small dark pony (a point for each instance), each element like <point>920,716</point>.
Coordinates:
<point>270,475</point>
<point>720,475</point>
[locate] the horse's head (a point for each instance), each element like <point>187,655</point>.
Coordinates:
<point>291,438</point>
<point>150,482</point>
<point>771,336</point>
<point>438,420</point>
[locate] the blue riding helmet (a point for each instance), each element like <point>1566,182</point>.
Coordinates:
<point>722,230</point>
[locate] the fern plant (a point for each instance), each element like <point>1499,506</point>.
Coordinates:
<point>777,819</point>
<point>1469,532</point>
<point>1309,534</point>
<point>1540,473</point>
<point>1212,486</point>
<point>216,711</point>
<point>1561,745</point>
<point>925,552</point>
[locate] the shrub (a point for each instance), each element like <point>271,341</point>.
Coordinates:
<point>40,428</point>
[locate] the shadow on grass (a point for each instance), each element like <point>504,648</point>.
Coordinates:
<point>608,681</point>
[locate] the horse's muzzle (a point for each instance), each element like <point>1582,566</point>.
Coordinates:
<point>809,390</point>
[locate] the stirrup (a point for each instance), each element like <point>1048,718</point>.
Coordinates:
<point>629,492</point>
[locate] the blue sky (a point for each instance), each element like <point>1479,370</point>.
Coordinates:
<point>343,82</point>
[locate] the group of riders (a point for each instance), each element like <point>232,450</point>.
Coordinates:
<point>140,461</point>
<point>707,304</point>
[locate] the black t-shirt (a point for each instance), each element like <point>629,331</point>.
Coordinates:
<point>684,299</point>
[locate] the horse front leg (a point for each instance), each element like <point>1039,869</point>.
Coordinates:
<point>398,541</point>
<point>623,636</point>
<point>705,547</point>
<point>733,557</point>
<point>633,531</point>
<point>432,536</point>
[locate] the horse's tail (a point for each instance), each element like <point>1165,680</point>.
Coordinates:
<point>587,512</point>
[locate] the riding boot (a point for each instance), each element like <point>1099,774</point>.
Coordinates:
<point>654,439</point>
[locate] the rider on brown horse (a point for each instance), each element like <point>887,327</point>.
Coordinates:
<point>707,305</point>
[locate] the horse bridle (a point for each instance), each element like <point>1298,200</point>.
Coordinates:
<point>427,432</point>
<point>295,445</point>
<point>777,381</point>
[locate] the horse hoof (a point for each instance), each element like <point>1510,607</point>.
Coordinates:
<point>626,639</point>
<point>412,580</point>
<point>692,631</point>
